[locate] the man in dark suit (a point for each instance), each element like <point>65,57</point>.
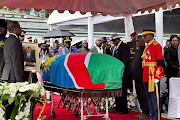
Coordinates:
<point>29,57</point>
<point>121,51</point>
<point>13,70</point>
<point>138,77</point>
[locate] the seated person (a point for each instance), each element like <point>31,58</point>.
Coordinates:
<point>29,57</point>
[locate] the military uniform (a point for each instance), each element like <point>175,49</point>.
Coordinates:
<point>153,71</point>
<point>132,46</point>
<point>65,50</point>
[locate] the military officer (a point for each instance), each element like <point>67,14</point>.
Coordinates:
<point>67,47</point>
<point>153,72</point>
<point>132,46</point>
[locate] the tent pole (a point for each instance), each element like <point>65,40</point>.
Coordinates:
<point>51,39</point>
<point>159,26</point>
<point>129,27</point>
<point>90,31</point>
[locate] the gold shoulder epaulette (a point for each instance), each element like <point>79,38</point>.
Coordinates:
<point>155,42</point>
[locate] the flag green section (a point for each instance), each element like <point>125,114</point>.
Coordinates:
<point>106,69</point>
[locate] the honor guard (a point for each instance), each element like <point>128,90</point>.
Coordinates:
<point>153,72</point>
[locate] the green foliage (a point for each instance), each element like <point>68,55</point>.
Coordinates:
<point>21,94</point>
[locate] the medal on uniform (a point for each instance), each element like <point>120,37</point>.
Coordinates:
<point>149,56</point>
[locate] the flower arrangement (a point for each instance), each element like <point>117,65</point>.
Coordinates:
<point>111,104</point>
<point>131,100</point>
<point>21,94</point>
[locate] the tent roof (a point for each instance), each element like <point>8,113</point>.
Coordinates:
<point>114,7</point>
<point>116,24</point>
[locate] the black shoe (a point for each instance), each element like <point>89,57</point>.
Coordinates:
<point>122,112</point>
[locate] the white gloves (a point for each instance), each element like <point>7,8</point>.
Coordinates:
<point>156,80</point>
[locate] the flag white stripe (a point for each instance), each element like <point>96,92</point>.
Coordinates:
<point>87,58</point>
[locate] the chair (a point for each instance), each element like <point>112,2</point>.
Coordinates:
<point>174,98</point>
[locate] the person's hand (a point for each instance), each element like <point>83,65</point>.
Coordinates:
<point>156,80</point>
<point>178,74</point>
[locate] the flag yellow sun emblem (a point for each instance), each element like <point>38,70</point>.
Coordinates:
<point>48,63</point>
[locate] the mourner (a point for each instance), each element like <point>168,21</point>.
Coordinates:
<point>121,51</point>
<point>105,46</point>
<point>84,48</point>
<point>3,31</point>
<point>153,72</point>
<point>138,77</point>
<point>171,58</point>
<point>97,48</point>
<point>13,70</point>
<point>67,47</point>
<point>132,46</point>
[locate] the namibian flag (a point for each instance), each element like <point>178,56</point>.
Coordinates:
<point>84,71</point>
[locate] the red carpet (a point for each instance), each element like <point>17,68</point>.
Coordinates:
<point>62,114</point>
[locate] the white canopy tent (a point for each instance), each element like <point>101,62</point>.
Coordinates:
<point>58,20</point>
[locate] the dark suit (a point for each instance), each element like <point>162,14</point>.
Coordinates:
<point>13,70</point>
<point>123,54</point>
<point>2,40</point>
<point>138,77</point>
<point>29,58</point>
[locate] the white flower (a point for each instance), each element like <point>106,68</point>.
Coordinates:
<point>110,99</point>
<point>102,107</point>
<point>6,92</point>
<point>114,105</point>
<point>129,103</point>
<point>2,118</point>
<point>28,104</point>
<point>13,91</point>
<point>128,91</point>
<point>1,112</point>
<point>42,91</point>
<point>27,112</point>
<point>25,119</point>
<point>22,89</point>
<point>114,100</point>
<point>133,104</point>
<point>21,114</point>
<point>131,98</point>
<point>17,117</point>
<point>111,103</point>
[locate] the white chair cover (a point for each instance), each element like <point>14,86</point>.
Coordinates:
<point>174,98</point>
